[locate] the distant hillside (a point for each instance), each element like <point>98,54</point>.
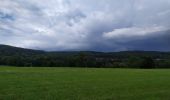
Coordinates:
<point>15,56</point>
<point>10,51</point>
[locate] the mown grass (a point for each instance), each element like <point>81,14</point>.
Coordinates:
<point>83,84</point>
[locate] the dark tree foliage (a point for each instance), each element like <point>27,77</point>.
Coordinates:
<point>13,56</point>
<point>147,63</point>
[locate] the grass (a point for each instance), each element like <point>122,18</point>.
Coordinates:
<point>83,84</point>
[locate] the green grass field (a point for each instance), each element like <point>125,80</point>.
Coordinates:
<point>83,84</point>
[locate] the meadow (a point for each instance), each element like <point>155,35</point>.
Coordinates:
<point>43,83</point>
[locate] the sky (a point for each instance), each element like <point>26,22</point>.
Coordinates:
<point>93,25</point>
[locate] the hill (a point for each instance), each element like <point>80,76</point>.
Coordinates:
<point>10,51</point>
<point>15,56</point>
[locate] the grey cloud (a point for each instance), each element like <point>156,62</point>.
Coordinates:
<point>105,25</point>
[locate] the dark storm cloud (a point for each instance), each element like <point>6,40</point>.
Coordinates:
<point>102,25</point>
<point>158,41</point>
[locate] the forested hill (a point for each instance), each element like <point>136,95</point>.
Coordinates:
<point>14,56</point>
<point>11,51</point>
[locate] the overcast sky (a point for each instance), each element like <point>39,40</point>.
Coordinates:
<point>97,25</point>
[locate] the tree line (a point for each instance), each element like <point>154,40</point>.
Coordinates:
<point>12,56</point>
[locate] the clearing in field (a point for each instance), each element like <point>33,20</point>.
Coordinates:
<point>83,84</point>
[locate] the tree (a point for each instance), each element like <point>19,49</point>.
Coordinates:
<point>81,60</point>
<point>147,63</point>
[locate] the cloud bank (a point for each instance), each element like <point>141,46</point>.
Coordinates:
<point>101,25</point>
